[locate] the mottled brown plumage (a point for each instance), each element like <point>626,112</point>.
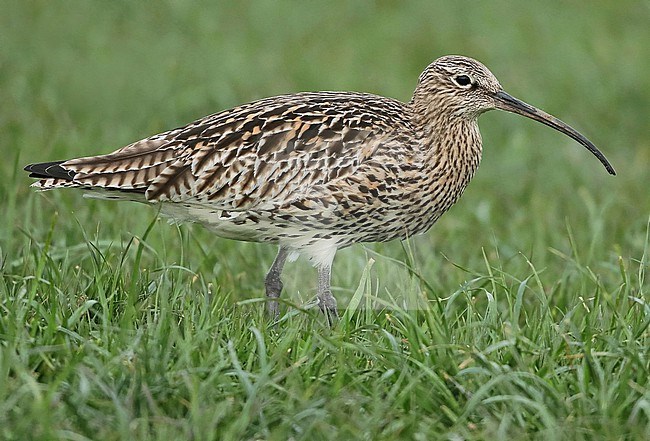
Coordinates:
<point>313,172</point>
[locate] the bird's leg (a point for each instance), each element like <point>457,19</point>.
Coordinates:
<point>326,300</point>
<point>273,284</point>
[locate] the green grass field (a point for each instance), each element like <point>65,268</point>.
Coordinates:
<point>523,314</point>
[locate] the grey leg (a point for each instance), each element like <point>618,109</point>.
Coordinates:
<point>326,300</point>
<point>273,284</point>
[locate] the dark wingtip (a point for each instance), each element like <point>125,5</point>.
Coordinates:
<point>44,170</point>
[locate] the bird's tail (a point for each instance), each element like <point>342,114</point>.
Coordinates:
<point>51,175</point>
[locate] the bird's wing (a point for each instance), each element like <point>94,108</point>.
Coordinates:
<point>267,152</point>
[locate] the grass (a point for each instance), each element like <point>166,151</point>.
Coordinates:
<point>523,314</point>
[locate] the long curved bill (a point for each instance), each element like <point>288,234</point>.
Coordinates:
<point>507,102</point>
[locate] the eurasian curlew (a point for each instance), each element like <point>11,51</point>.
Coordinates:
<point>313,172</point>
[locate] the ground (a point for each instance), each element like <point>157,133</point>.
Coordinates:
<point>523,314</point>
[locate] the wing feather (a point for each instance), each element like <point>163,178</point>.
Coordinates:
<point>266,152</point>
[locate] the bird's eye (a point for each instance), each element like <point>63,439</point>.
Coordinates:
<point>463,80</point>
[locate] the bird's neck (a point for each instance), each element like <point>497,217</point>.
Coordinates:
<point>450,151</point>
<point>446,135</point>
<point>451,146</point>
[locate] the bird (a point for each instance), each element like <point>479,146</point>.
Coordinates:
<point>313,172</point>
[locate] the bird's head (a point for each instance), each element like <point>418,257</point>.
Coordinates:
<point>456,87</point>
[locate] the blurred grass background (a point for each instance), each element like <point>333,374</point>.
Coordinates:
<point>85,77</point>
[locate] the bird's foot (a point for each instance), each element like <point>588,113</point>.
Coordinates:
<point>273,284</point>
<point>327,304</point>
